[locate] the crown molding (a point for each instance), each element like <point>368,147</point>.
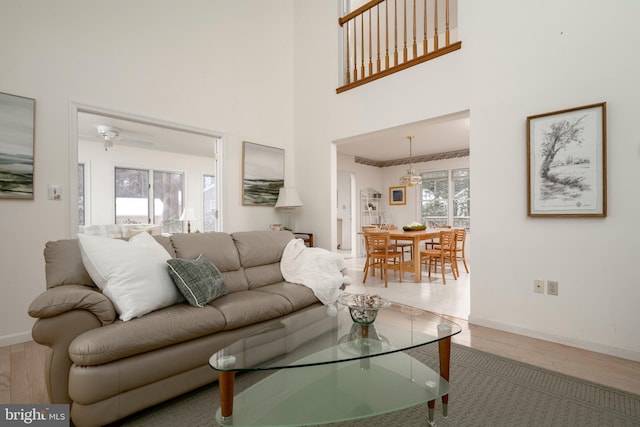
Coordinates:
<point>416,159</point>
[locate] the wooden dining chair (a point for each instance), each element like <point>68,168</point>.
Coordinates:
<point>460,237</point>
<point>433,243</point>
<point>380,255</point>
<point>401,245</point>
<point>368,229</point>
<point>443,253</point>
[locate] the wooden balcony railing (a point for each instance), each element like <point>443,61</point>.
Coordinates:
<point>386,36</point>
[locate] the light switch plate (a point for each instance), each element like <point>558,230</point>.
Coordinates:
<point>552,287</point>
<point>54,192</point>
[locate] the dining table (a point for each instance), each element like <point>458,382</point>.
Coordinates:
<point>414,266</point>
<point>416,237</point>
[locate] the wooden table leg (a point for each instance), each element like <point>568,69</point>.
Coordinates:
<point>444,350</point>
<point>444,353</point>
<point>226,380</point>
<point>417,266</point>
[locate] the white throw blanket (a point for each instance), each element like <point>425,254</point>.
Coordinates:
<point>316,268</point>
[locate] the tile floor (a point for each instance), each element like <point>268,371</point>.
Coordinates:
<point>451,298</point>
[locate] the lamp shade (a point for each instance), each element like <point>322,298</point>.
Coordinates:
<point>288,198</point>
<point>188,215</point>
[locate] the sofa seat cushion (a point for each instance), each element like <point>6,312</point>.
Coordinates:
<point>299,296</point>
<point>249,307</point>
<point>171,325</point>
<point>136,372</point>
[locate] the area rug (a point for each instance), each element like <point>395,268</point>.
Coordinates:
<point>486,390</point>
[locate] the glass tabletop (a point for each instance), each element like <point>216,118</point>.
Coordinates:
<point>327,334</point>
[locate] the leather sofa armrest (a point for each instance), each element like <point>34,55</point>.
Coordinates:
<point>62,299</point>
<point>57,332</point>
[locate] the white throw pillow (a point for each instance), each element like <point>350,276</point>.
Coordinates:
<point>133,274</point>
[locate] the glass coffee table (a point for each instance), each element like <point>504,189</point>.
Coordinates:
<point>331,369</point>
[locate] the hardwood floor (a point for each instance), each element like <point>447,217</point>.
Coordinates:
<point>22,365</point>
<point>22,373</point>
<point>615,372</point>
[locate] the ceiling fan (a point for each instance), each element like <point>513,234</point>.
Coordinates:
<point>108,135</point>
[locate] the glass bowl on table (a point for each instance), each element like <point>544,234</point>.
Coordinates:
<point>363,308</point>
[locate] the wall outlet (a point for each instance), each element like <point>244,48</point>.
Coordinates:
<point>552,287</point>
<point>538,286</point>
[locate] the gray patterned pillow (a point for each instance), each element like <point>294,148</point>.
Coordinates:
<point>198,280</point>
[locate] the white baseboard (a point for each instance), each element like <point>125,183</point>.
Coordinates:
<point>558,339</point>
<point>7,340</point>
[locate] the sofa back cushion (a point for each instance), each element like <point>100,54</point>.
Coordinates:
<point>166,243</point>
<point>63,264</point>
<point>219,249</point>
<point>260,253</point>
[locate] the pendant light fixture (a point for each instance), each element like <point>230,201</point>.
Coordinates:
<point>411,178</point>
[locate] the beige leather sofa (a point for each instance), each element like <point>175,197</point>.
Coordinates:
<point>108,369</point>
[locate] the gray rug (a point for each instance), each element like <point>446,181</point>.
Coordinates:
<point>486,390</point>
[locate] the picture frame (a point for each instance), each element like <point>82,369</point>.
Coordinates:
<point>17,145</point>
<point>398,195</point>
<point>567,163</point>
<point>262,174</point>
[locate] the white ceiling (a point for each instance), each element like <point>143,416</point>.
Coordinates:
<point>143,135</point>
<point>433,136</point>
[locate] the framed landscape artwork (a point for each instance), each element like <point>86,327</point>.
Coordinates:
<point>17,137</point>
<point>567,172</point>
<point>262,174</point>
<point>398,195</point>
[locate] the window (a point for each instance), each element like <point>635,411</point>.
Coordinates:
<point>134,198</point>
<point>167,200</point>
<point>446,198</point>
<point>81,198</point>
<point>435,198</point>
<point>461,198</point>
<point>209,213</point>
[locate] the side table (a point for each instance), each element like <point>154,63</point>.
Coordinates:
<point>307,238</point>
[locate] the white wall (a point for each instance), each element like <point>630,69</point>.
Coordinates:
<point>517,59</point>
<point>208,65</point>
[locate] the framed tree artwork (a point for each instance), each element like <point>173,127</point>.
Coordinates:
<point>262,174</point>
<point>398,195</point>
<point>17,138</point>
<point>567,163</point>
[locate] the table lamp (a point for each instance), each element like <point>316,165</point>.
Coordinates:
<point>288,200</point>
<point>188,215</point>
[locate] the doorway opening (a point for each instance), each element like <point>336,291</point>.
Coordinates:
<point>376,162</point>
